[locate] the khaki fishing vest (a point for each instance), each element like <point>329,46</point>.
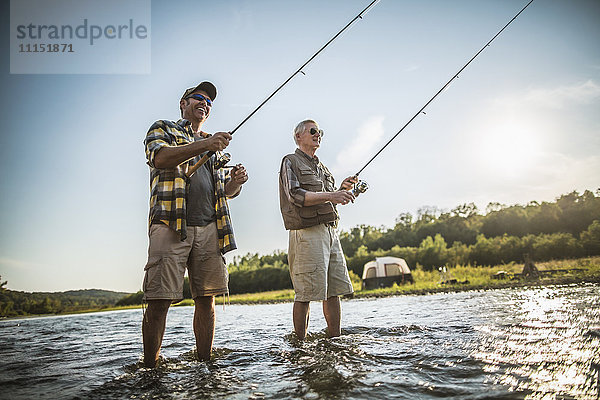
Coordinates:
<point>312,178</point>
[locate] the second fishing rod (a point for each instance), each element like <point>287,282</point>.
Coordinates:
<point>362,186</point>
<point>225,157</point>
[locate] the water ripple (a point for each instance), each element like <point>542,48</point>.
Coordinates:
<point>534,343</point>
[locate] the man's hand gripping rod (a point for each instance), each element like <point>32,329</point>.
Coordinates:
<point>206,157</point>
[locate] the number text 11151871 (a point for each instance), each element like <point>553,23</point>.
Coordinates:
<point>46,48</point>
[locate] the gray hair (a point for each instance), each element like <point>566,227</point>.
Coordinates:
<point>300,127</point>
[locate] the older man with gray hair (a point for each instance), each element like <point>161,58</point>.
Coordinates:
<point>308,200</point>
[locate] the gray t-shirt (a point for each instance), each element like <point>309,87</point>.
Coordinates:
<point>201,199</point>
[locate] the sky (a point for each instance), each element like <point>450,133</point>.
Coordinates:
<point>521,123</point>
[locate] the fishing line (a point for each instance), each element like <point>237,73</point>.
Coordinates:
<point>362,186</point>
<point>226,157</point>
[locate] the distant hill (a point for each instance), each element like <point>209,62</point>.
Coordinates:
<point>17,303</point>
<point>100,293</point>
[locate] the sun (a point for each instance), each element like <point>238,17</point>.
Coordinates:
<point>509,148</point>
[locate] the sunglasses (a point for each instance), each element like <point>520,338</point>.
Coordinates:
<point>314,131</point>
<point>199,97</point>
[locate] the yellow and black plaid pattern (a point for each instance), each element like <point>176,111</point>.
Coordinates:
<point>168,187</point>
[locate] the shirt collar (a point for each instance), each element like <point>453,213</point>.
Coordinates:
<point>314,160</point>
<point>187,126</point>
<point>183,122</point>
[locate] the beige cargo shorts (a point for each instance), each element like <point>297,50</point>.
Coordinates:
<point>317,264</point>
<point>168,258</point>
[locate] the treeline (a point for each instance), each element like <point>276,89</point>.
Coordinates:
<point>435,252</point>
<point>253,273</point>
<point>567,227</point>
<point>571,213</point>
<point>16,303</point>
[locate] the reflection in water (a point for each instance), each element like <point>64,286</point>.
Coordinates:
<point>537,343</point>
<point>546,348</point>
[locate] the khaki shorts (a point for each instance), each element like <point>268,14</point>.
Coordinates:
<point>317,264</point>
<point>168,258</point>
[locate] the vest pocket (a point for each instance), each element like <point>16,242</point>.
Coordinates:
<point>315,211</point>
<point>309,180</point>
<point>308,212</point>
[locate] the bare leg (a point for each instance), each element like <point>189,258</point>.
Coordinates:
<point>300,316</point>
<point>204,326</point>
<point>333,314</point>
<point>153,330</point>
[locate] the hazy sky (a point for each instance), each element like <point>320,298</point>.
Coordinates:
<point>521,123</point>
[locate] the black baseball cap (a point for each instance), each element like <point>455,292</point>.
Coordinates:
<point>208,87</point>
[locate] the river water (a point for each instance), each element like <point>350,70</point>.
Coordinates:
<point>538,343</point>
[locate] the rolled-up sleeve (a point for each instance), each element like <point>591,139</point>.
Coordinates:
<point>156,138</point>
<point>291,185</point>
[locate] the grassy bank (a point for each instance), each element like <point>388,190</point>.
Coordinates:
<point>426,282</point>
<point>482,278</point>
<point>582,270</point>
<point>468,278</point>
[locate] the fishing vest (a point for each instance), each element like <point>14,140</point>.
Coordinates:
<point>313,178</point>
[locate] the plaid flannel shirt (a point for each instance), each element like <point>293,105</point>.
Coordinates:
<point>169,187</point>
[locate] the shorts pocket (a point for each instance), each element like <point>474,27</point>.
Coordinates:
<point>304,282</point>
<point>152,278</point>
<point>152,262</point>
<point>305,269</point>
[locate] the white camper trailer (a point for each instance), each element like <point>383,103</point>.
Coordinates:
<point>384,272</point>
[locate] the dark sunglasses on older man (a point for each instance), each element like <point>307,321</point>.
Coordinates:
<point>199,97</point>
<point>314,131</point>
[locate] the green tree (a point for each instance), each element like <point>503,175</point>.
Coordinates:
<point>458,254</point>
<point>427,214</point>
<point>578,211</point>
<point>363,235</point>
<point>404,220</point>
<point>486,251</point>
<point>556,246</point>
<point>590,239</point>
<point>360,258</point>
<point>467,210</point>
<point>511,221</point>
<point>403,233</point>
<point>544,218</point>
<point>7,309</point>
<point>432,252</point>
<point>131,299</point>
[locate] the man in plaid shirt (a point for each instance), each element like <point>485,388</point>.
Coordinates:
<point>189,222</point>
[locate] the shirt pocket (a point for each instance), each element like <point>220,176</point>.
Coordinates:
<point>180,138</point>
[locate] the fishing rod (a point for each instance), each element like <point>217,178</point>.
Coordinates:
<point>362,186</point>
<point>226,156</point>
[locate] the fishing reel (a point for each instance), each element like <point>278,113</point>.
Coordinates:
<point>222,160</point>
<point>360,187</point>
